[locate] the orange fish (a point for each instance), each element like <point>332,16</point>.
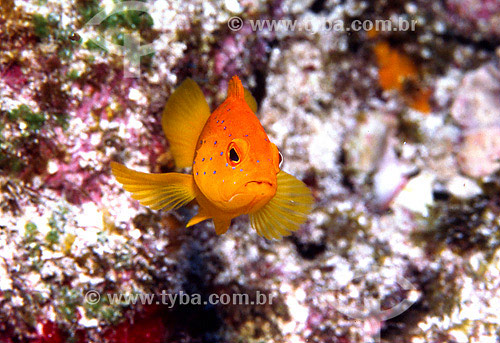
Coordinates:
<point>395,71</point>
<point>235,168</point>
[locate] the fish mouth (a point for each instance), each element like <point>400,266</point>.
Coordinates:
<point>253,195</point>
<point>262,187</point>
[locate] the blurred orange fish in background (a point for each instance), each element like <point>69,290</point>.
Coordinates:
<point>235,168</point>
<point>397,71</point>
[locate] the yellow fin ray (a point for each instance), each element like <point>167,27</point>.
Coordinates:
<point>284,213</point>
<point>157,191</point>
<point>183,119</point>
<point>265,226</point>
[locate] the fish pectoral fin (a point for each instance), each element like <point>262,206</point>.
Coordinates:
<point>284,213</point>
<point>183,119</point>
<point>198,218</point>
<point>221,225</point>
<point>250,100</point>
<point>169,191</point>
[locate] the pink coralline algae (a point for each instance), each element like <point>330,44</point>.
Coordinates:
<point>13,77</point>
<point>484,15</point>
<point>477,109</point>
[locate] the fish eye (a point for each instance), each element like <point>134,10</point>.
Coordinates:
<point>280,160</point>
<point>236,151</point>
<point>233,155</point>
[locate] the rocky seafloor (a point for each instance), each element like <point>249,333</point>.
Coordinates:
<point>397,133</point>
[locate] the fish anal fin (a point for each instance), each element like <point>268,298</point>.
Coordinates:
<point>169,191</point>
<point>183,119</point>
<point>221,225</point>
<point>250,100</point>
<point>198,218</point>
<point>286,211</point>
<point>235,88</point>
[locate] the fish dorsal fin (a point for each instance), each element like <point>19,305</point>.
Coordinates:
<point>157,191</point>
<point>250,100</point>
<point>284,213</point>
<point>184,117</point>
<point>235,88</point>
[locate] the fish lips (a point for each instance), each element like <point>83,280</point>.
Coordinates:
<point>260,188</point>
<point>252,195</point>
<point>255,194</point>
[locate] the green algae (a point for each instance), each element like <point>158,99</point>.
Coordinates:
<point>33,120</point>
<point>73,74</point>
<point>52,237</point>
<point>41,26</point>
<point>87,9</point>
<point>93,46</point>
<point>57,222</point>
<point>49,28</point>
<point>129,19</point>
<point>103,310</point>
<point>25,143</point>
<point>67,300</point>
<point>31,232</point>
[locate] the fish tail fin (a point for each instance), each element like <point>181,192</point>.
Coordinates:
<point>284,213</point>
<point>169,191</point>
<point>221,225</point>
<point>198,218</point>
<point>183,119</point>
<point>235,88</point>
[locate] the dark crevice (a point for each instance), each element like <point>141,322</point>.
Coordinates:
<point>318,6</point>
<point>346,181</point>
<point>483,44</point>
<point>260,73</point>
<point>309,250</point>
<point>259,92</point>
<point>198,320</point>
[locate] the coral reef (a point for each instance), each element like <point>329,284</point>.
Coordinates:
<point>395,132</point>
